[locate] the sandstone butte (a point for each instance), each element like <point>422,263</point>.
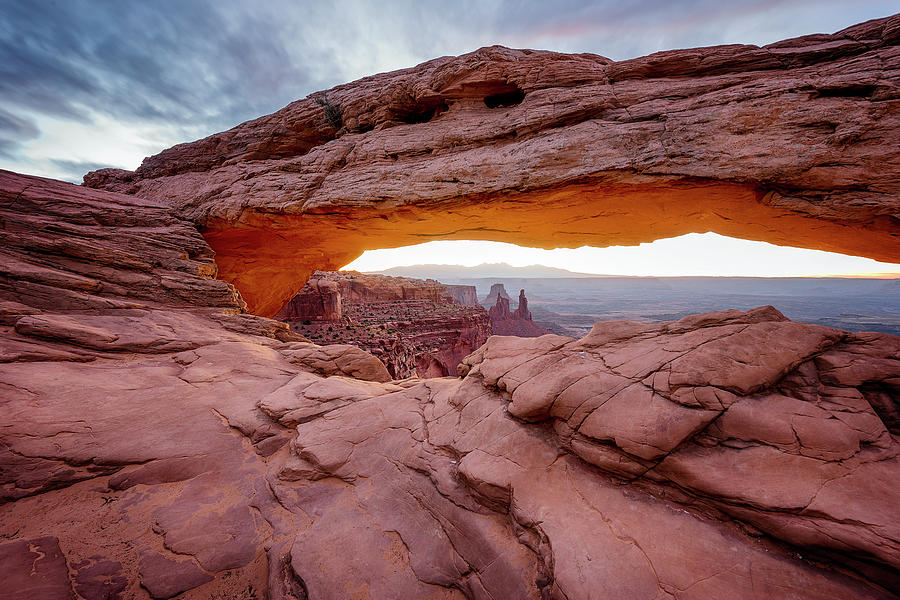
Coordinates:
<point>160,440</point>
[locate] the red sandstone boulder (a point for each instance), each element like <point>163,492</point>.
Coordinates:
<point>337,359</point>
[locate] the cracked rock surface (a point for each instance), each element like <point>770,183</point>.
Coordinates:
<point>157,442</point>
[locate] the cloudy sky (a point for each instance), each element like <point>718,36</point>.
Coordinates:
<point>92,83</point>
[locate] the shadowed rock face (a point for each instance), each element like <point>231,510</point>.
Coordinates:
<point>319,300</point>
<point>150,447</point>
<point>465,295</point>
<point>793,143</point>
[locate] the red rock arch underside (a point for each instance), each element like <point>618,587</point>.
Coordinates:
<point>270,262</point>
<point>794,143</point>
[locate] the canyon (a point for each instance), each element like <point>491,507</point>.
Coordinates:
<point>414,327</point>
<point>164,437</point>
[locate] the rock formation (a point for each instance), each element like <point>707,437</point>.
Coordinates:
<point>318,300</point>
<point>322,296</point>
<point>158,441</point>
<point>518,322</point>
<point>464,294</point>
<point>522,313</point>
<point>414,327</point>
<point>793,143</point>
<point>359,287</point>
<point>500,311</point>
<point>498,290</point>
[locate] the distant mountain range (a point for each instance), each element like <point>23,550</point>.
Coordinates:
<point>484,270</point>
<point>451,273</point>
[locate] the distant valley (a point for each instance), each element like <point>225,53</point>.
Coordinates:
<point>576,301</point>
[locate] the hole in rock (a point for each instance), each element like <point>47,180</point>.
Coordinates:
<point>847,91</point>
<point>509,97</point>
<point>270,256</point>
<point>419,112</point>
<point>421,308</point>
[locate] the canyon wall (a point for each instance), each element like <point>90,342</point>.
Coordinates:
<point>319,300</point>
<point>359,288</point>
<point>463,294</point>
<point>793,143</point>
<point>416,327</point>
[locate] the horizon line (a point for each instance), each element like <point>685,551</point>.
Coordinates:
<point>878,276</point>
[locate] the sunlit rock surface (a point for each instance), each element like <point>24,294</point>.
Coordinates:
<point>155,441</point>
<point>794,143</point>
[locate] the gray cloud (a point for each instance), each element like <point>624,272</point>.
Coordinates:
<point>192,67</point>
<point>73,170</point>
<point>193,63</point>
<point>13,131</point>
<point>627,29</point>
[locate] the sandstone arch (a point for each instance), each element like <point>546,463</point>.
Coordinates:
<point>794,143</point>
<point>156,440</point>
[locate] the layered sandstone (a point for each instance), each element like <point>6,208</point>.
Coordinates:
<point>152,448</point>
<point>414,326</point>
<point>359,288</point>
<point>463,294</point>
<point>793,143</point>
<point>319,300</point>
<point>352,287</point>
<point>158,441</point>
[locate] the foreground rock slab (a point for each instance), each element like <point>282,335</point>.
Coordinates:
<point>229,467</point>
